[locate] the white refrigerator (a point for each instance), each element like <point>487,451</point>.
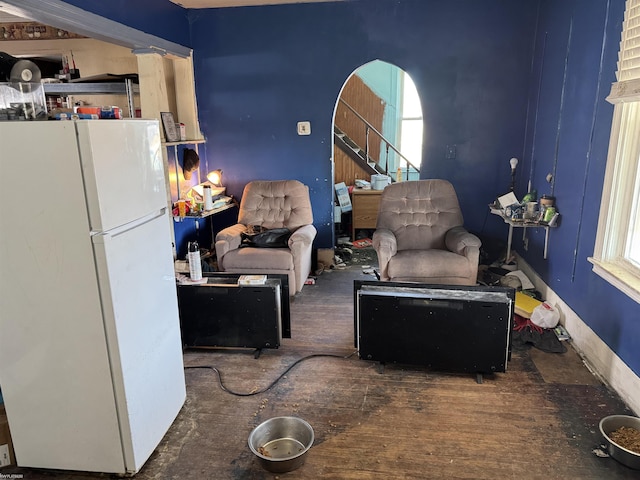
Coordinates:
<point>90,352</point>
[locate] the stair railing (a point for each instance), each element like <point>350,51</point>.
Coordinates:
<point>389,145</point>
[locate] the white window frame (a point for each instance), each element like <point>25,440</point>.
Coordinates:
<point>623,164</point>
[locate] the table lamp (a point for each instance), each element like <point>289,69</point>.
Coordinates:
<point>514,163</point>
<point>215,177</point>
<point>214,180</point>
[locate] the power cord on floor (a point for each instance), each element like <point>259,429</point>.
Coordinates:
<point>272,384</point>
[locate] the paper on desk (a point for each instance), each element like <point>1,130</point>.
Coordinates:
<point>508,199</point>
<point>524,280</point>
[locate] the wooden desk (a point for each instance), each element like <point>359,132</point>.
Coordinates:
<point>365,204</point>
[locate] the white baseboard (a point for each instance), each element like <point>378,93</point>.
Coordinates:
<point>597,355</point>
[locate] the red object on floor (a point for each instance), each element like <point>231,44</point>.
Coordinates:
<point>520,323</point>
<point>362,243</point>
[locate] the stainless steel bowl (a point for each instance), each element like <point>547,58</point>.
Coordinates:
<point>611,424</point>
<point>281,443</point>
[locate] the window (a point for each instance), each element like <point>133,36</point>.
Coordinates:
<point>617,251</point>
<point>411,123</point>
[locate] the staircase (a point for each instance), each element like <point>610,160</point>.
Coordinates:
<point>361,156</point>
<point>356,153</point>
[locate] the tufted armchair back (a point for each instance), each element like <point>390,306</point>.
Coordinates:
<point>276,204</point>
<point>419,213</point>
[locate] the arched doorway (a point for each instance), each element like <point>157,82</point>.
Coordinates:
<point>379,113</point>
<point>378,128</point>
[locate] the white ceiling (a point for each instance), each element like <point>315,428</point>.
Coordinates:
<point>240,3</point>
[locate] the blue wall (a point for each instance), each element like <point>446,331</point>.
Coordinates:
<point>260,70</point>
<point>568,135</point>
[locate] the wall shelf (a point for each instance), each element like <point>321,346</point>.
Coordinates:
<point>183,142</point>
<point>524,225</point>
<point>108,88</point>
<point>97,85</point>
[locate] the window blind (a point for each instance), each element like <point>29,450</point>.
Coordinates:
<point>627,88</point>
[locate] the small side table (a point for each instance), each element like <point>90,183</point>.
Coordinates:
<point>524,225</point>
<point>188,228</point>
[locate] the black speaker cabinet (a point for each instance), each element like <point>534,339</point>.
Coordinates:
<point>443,327</point>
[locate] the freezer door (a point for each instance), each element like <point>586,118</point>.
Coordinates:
<point>137,284</point>
<point>123,170</point>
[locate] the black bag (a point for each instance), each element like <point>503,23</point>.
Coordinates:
<point>257,236</point>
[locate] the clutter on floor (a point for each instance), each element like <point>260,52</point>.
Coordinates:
<point>362,243</point>
<point>536,322</point>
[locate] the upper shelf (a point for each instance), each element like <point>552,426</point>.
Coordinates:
<point>106,88</point>
<point>184,142</point>
<point>104,84</point>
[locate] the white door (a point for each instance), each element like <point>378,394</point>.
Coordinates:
<point>123,170</point>
<point>137,283</point>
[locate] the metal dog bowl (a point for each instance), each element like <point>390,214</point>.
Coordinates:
<point>611,424</point>
<point>281,443</point>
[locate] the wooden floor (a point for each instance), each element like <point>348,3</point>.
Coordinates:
<point>537,421</point>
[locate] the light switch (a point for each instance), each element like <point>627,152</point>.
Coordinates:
<point>304,128</point>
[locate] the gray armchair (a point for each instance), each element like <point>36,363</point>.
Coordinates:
<point>420,235</point>
<point>271,204</point>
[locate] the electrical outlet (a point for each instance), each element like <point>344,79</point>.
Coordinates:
<point>4,456</point>
<point>451,152</point>
<point>304,128</point>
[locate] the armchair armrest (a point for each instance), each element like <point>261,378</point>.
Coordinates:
<point>458,239</point>
<point>300,243</point>
<point>228,239</point>
<point>386,246</point>
<point>302,237</point>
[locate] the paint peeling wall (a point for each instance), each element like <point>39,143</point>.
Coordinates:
<point>568,135</point>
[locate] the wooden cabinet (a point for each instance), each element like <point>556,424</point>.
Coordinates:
<point>365,204</point>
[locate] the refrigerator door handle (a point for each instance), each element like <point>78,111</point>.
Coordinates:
<point>128,226</point>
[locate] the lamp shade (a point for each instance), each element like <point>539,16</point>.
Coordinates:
<point>215,177</point>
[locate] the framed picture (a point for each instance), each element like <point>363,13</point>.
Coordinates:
<point>171,133</point>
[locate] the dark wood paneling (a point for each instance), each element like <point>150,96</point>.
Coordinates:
<point>346,170</point>
<point>357,94</point>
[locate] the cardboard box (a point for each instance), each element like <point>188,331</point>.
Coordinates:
<point>7,456</point>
